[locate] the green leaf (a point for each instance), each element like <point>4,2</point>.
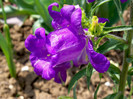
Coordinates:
<point>68,2</point>
<point>130,71</point>
<point>114,72</point>
<point>117,28</point>
<point>110,36</point>
<point>23,4</point>
<point>114,69</point>
<point>9,57</point>
<point>13,11</point>
<point>43,12</point>
<point>129,60</point>
<point>89,70</point>
<point>76,77</point>
<point>98,4</point>
<point>109,45</point>
<point>114,77</point>
<point>111,96</point>
<point>95,94</point>
<point>81,3</point>
<point>39,23</point>
<point>108,10</point>
<point>115,96</point>
<point>129,79</point>
<point>64,97</point>
<point>30,2</point>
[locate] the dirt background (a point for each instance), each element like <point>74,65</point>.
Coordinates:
<point>30,86</point>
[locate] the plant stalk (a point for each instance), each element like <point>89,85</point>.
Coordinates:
<point>9,54</point>
<point>127,52</point>
<point>119,9</point>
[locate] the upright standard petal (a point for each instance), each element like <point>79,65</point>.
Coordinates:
<point>61,19</point>
<point>54,14</point>
<point>76,21</point>
<point>98,61</point>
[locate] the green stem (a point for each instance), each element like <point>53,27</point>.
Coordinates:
<point>119,9</point>
<point>3,11</point>
<point>74,91</point>
<point>127,52</point>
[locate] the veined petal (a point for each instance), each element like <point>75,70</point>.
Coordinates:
<point>81,59</point>
<point>76,21</point>
<point>65,44</point>
<point>48,72</point>
<point>42,67</point>
<point>61,19</point>
<point>63,23</point>
<point>98,61</point>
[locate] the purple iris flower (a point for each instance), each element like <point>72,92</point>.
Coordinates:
<point>103,20</point>
<point>90,1</point>
<point>51,55</point>
<point>123,1</point>
<point>94,0</point>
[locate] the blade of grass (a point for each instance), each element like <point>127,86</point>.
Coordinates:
<point>6,45</point>
<point>9,57</point>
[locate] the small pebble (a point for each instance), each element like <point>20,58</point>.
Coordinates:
<point>21,97</point>
<point>25,68</point>
<point>107,83</point>
<point>11,86</point>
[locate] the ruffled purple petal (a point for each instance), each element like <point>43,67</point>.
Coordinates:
<point>65,45</point>
<point>40,33</point>
<point>103,20</point>
<point>60,19</point>
<point>122,1</point>
<point>66,11</point>
<point>30,41</point>
<point>54,14</point>
<point>98,61</point>
<point>37,44</point>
